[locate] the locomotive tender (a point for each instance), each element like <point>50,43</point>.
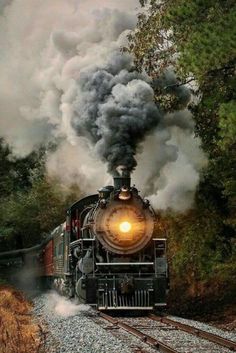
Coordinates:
<point>105,253</point>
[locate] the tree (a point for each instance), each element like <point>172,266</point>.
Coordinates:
<point>196,39</point>
<point>31,204</point>
<point>26,217</point>
<point>15,173</point>
<point>6,170</point>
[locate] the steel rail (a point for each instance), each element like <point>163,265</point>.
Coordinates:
<point>153,342</point>
<point>224,342</point>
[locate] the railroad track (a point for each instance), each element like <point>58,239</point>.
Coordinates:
<point>150,331</point>
<point>153,342</point>
<point>196,332</point>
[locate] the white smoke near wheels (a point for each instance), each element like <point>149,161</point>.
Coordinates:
<point>64,78</point>
<point>62,307</point>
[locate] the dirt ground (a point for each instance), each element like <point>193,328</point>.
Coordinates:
<point>225,319</point>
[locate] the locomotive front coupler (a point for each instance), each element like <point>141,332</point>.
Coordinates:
<point>126,286</point>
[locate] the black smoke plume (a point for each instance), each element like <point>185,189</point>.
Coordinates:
<point>115,110</point>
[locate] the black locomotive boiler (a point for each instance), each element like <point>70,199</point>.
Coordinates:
<point>105,254</point>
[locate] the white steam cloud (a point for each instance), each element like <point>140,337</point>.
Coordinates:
<point>63,77</point>
<point>169,166</point>
<point>63,307</point>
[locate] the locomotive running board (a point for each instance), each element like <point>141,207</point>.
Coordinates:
<point>160,304</point>
<point>124,263</point>
<point>125,308</point>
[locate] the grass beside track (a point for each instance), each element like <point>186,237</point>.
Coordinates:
<point>18,331</point>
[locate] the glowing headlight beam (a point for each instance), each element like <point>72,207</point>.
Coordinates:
<point>125,227</point>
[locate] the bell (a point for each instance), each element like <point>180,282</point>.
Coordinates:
<point>124,193</point>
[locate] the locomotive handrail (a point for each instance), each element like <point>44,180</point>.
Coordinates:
<point>20,252</point>
<point>87,239</point>
<point>124,263</point>
<point>156,239</point>
<point>78,241</point>
<point>82,202</point>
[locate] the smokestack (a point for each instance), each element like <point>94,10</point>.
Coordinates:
<point>121,178</point>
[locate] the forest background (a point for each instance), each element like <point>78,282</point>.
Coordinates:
<point>197,39</point>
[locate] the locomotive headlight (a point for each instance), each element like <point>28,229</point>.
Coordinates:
<point>125,227</point>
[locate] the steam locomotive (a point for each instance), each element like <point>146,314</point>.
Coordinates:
<point>105,253</point>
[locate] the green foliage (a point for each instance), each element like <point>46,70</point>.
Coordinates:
<point>227,124</point>
<point>202,33</point>
<point>26,216</point>
<point>16,173</point>
<point>6,170</point>
<point>30,203</point>
<point>200,248</point>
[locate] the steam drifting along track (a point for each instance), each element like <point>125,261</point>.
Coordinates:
<point>165,335</point>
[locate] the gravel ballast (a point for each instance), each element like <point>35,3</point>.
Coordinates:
<point>73,328</point>
<point>181,341</point>
<point>205,327</point>
<point>70,328</point>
